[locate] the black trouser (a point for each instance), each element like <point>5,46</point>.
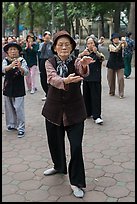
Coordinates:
<point>56,142</point>
<point>43,75</point>
<point>92,98</point>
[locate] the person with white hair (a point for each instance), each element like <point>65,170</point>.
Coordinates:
<point>95,39</point>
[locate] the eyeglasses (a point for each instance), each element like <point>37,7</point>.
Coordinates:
<point>64,45</point>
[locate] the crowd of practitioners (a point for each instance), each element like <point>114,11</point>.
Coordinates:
<point>62,68</point>
<point>32,53</point>
<point>37,50</point>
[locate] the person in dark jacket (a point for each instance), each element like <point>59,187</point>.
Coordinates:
<point>15,68</point>
<point>64,109</point>
<point>45,53</point>
<point>115,65</point>
<point>92,83</point>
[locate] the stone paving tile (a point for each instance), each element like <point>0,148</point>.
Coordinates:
<point>23,176</point>
<point>108,150</point>
<point>52,180</point>
<point>128,165</point>
<point>102,161</point>
<point>36,195</point>
<point>13,197</point>
<point>30,184</point>
<point>70,198</point>
<point>6,179</point>
<point>116,191</point>
<point>95,196</point>
<point>9,189</point>
<point>105,181</point>
<point>94,173</point>
<point>59,191</point>
<point>131,186</point>
<point>127,177</point>
<point>18,168</point>
<point>113,168</point>
<point>127,199</point>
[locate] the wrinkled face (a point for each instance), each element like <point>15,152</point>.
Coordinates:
<point>13,52</point>
<point>90,44</point>
<point>63,47</point>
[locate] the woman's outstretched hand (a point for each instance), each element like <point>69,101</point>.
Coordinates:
<point>72,79</point>
<point>86,60</point>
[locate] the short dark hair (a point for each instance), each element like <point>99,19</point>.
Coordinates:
<point>128,34</point>
<point>46,32</point>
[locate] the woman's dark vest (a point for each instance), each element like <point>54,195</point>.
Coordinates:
<point>68,101</point>
<point>95,69</point>
<point>115,60</point>
<point>13,83</point>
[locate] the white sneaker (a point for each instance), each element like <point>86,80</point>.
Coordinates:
<point>43,99</point>
<point>50,171</point>
<point>98,121</point>
<point>79,193</point>
<point>121,97</point>
<point>32,91</point>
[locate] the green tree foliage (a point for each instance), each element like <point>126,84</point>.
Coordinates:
<point>38,15</point>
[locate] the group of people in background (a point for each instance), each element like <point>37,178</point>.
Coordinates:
<point>119,62</point>
<point>63,67</point>
<point>36,51</point>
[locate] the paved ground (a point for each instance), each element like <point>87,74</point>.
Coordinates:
<point>109,154</point>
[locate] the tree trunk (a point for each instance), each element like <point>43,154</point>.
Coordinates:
<point>31,17</point>
<point>3,21</point>
<point>77,25</point>
<point>17,19</point>
<point>102,24</point>
<point>73,30</point>
<point>82,24</point>
<point>131,22</point>
<point>66,21</point>
<point>117,20</point>
<point>3,26</point>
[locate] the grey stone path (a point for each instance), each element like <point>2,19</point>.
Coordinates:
<point>109,154</point>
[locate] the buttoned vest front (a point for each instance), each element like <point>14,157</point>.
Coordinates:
<point>68,101</point>
<point>14,85</point>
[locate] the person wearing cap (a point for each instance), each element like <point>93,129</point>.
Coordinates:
<point>30,53</point>
<point>115,65</point>
<point>128,53</point>
<point>45,53</point>
<point>64,109</point>
<point>15,68</point>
